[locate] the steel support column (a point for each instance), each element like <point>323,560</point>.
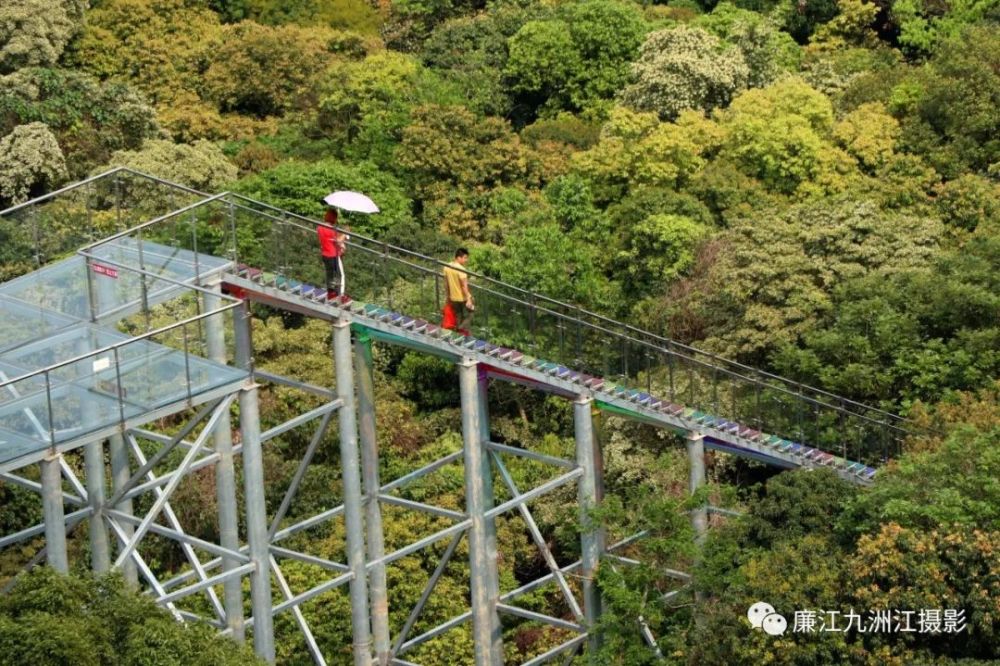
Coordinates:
<point>373,511</point>
<point>120,475</point>
<point>351,481</point>
<point>696,465</point>
<point>484,434</point>
<point>253,483</point>
<point>485,620</point>
<point>55,519</point>
<point>589,493</point>
<point>225,477</point>
<point>100,547</point>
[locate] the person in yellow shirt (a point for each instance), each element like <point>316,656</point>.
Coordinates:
<point>456,282</point>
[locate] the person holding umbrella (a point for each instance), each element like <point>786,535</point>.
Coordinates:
<point>333,242</point>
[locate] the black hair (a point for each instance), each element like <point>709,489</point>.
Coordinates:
<point>461,252</point>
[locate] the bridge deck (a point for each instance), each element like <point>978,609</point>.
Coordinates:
<point>514,365</point>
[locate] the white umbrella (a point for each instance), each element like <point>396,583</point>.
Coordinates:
<point>351,201</point>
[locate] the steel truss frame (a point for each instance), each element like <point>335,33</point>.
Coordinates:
<point>134,476</point>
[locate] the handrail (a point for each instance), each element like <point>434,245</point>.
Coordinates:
<point>94,179</point>
<point>567,316</point>
<point>285,215</point>
<point>117,345</point>
<point>541,297</point>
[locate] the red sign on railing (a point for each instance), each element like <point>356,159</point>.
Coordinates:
<point>110,271</point>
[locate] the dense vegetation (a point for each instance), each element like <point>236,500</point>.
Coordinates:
<point>812,188</point>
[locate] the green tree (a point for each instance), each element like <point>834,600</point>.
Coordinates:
<point>366,104</point>
<point>355,15</point>
<point>161,48</point>
<point>472,52</point>
<point>262,71</point>
<point>445,146</point>
<point>775,280</point>
<point>201,165</point>
<point>767,51</point>
<point>545,260</point>
<point>32,163</point>
<point>915,334</point>
<point>637,150</point>
<point>684,68</point>
<point>49,618</point>
<point>656,250</point>
<point>781,135</point>
<point>574,59</point>
<point>869,134</point>
<point>89,119</point>
<point>923,26</point>
<point>34,33</point>
<point>301,186</point>
<point>947,109</point>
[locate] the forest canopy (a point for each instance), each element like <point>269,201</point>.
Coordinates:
<point>808,188</point>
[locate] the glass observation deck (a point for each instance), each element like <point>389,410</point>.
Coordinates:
<point>80,352</point>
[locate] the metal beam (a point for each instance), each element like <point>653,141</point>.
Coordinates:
<point>185,541</point>
<point>295,422</point>
<point>277,551</point>
<point>418,506</point>
<point>300,619</point>
<point>55,519</point>
<point>425,595</point>
<point>423,471</point>
<point>207,583</point>
<point>374,539</point>
<point>540,617</point>
<point>589,496</point>
<point>532,455</point>
<point>351,479</point>
<point>300,473</point>
<point>253,489</point>
<point>539,540</point>
<point>13,479</point>
<point>696,466</point>
<point>100,547</point>
<point>176,478</point>
<point>225,471</point>
<point>120,475</point>
<point>485,621</point>
<point>545,656</point>
<point>546,487</point>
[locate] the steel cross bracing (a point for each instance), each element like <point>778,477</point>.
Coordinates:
<point>137,479</point>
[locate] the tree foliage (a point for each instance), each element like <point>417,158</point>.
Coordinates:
<point>50,618</point>
<point>32,162</point>
<point>263,71</point>
<point>89,119</point>
<point>201,165</point>
<point>684,68</point>
<point>574,58</point>
<point>34,33</point>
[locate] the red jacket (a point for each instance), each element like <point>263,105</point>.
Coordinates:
<point>328,238</point>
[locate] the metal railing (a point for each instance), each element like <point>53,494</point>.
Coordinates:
<point>284,244</point>
<point>109,382</point>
